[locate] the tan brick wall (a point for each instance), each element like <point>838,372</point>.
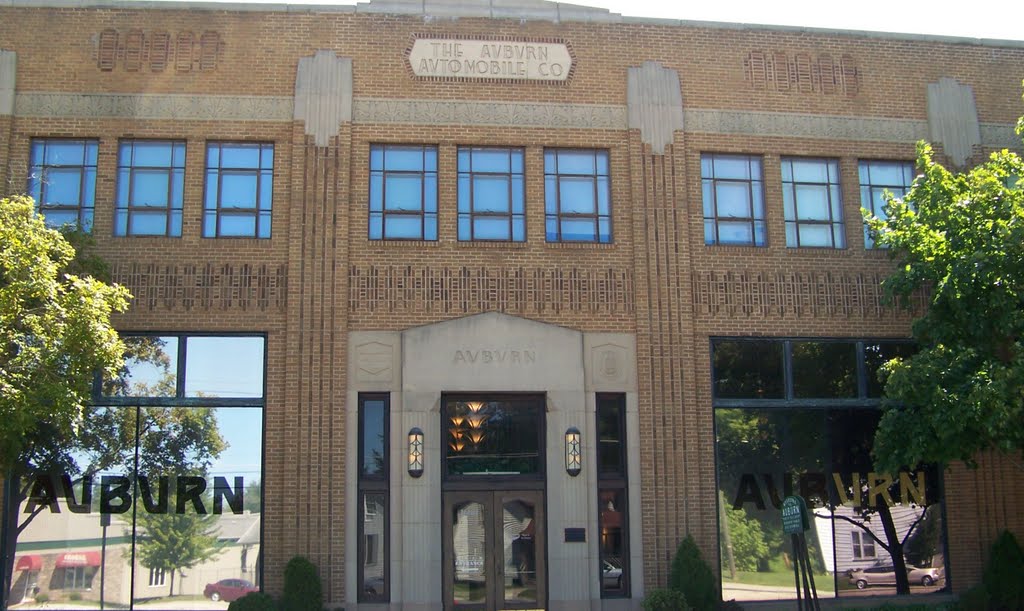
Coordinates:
<point>319,277</point>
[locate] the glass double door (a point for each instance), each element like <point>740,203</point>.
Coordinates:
<point>494,550</point>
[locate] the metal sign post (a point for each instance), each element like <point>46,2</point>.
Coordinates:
<point>795,522</point>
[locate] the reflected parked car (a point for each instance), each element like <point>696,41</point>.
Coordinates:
<point>885,575</point>
<point>611,575</point>
<point>229,589</point>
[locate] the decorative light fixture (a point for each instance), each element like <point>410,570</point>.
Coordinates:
<point>415,452</point>
<point>573,452</point>
<point>475,406</point>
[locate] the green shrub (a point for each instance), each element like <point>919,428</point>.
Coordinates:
<point>975,599</point>
<point>302,590</point>
<point>75,596</point>
<point>254,601</point>
<point>1003,572</point>
<point>693,577</point>
<point>42,597</point>
<point>665,600</point>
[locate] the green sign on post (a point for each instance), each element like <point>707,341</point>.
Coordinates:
<point>794,516</point>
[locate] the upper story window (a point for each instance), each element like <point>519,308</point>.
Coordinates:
<point>577,196</point>
<point>239,189</point>
<point>150,188</point>
<point>62,180</point>
<point>812,203</point>
<point>877,177</point>
<point>733,199</point>
<point>403,192</point>
<point>491,194</point>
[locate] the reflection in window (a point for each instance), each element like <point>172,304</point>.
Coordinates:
<point>492,436</point>
<point>373,497</point>
<point>174,468</point>
<point>824,370</point>
<point>239,189</point>
<point>877,178</point>
<point>613,524</point>
<point>403,192</point>
<point>150,188</point>
<point>62,180</point>
<point>491,194</point>
<point>878,354</point>
<point>823,453</point>
<point>812,203</point>
<point>733,199</point>
<point>748,369</point>
<point>577,196</point>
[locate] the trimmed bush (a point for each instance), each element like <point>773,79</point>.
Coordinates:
<point>1003,572</point>
<point>253,601</point>
<point>665,600</point>
<point>693,577</point>
<point>975,599</point>
<point>302,591</point>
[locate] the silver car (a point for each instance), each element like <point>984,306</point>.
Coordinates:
<point>885,575</point>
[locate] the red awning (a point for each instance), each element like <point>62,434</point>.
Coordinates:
<point>32,562</point>
<point>78,559</point>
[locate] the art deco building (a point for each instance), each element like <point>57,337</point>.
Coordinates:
<point>487,304</point>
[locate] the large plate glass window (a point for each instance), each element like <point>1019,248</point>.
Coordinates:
<point>156,500</point>
<point>814,439</point>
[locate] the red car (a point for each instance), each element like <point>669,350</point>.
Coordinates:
<point>229,589</point>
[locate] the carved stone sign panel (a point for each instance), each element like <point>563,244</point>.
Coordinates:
<point>490,59</point>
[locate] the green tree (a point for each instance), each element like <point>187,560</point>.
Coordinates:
<point>749,547</point>
<point>959,239</point>
<point>55,330</point>
<point>175,541</point>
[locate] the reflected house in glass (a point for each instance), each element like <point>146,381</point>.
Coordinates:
<point>484,305</point>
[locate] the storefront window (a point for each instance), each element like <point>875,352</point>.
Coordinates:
<point>864,523</point>
<point>156,500</point>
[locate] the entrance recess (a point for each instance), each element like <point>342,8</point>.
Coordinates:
<point>494,550</point>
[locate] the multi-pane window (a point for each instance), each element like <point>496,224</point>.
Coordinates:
<point>613,524</point>
<point>863,545</point>
<point>62,180</point>
<point>733,199</point>
<point>877,177</point>
<point>156,577</point>
<point>491,195</point>
<point>403,192</point>
<point>78,577</point>
<point>239,189</point>
<point>577,196</point>
<point>373,497</point>
<point>812,203</point>
<point>150,188</point>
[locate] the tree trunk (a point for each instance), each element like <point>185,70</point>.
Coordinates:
<point>171,591</point>
<point>12,500</point>
<point>895,549</point>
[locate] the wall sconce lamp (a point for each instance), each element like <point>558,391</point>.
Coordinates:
<point>573,452</point>
<point>415,452</point>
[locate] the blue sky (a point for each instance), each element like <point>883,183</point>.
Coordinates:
<point>1000,19</point>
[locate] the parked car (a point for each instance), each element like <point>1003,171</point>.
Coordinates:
<point>229,589</point>
<point>885,575</point>
<point>611,575</point>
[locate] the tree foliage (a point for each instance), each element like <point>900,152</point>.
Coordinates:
<point>302,588</point>
<point>55,330</point>
<point>174,541</point>
<point>692,576</point>
<point>959,239</point>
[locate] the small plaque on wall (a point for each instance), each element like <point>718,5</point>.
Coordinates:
<point>575,535</point>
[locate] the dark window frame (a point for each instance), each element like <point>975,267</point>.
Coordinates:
<point>428,220</point>
<point>175,182</point>
<point>868,187</point>
<point>85,209</point>
<point>555,214</point>
<point>261,212</point>
<point>835,224</point>
<point>515,219</point>
<point>378,484</point>
<point>753,184</point>
<point>614,482</point>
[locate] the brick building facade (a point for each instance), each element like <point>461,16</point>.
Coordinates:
<point>409,210</point>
